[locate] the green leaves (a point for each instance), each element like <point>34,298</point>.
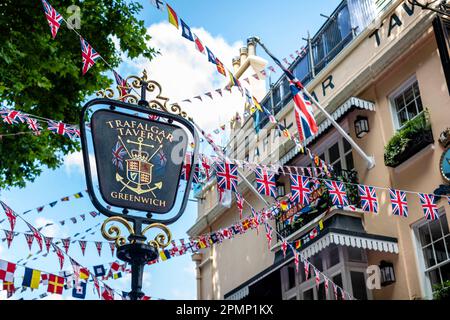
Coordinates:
<point>43,76</point>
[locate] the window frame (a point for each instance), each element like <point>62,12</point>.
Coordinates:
<point>424,272</point>
<point>399,92</point>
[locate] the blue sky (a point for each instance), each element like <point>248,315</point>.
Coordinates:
<point>183,72</point>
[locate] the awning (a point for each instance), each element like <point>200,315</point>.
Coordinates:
<point>352,235</point>
<point>351,104</point>
<point>352,239</point>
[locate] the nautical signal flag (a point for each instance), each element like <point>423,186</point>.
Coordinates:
<point>165,255</point>
<point>211,57</point>
<point>31,278</point>
<point>7,270</point>
<point>220,67</point>
<point>55,284</point>
<point>79,291</point>
<point>198,44</point>
<point>186,31</point>
<point>99,271</point>
<point>173,18</point>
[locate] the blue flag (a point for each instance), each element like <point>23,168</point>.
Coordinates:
<point>99,271</point>
<point>79,291</point>
<point>211,57</point>
<point>186,31</point>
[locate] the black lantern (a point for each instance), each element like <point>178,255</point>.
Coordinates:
<point>387,273</point>
<point>361,126</point>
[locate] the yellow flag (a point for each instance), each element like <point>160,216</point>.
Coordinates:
<point>173,18</point>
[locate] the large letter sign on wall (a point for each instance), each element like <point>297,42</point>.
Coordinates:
<point>135,165</point>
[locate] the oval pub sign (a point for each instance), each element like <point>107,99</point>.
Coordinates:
<point>138,160</point>
<point>445,165</point>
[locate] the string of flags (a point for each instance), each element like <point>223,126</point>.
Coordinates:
<point>57,283</point>
<point>76,282</point>
<point>14,117</point>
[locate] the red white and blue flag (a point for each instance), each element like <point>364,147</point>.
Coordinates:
<point>10,215</point>
<point>399,203</point>
<point>300,189</point>
<point>227,176</point>
<point>265,183</point>
<point>337,192</point>
<point>268,233</point>
<point>186,171</point>
<point>60,128</point>
<point>118,153</point>
<point>369,201</point>
<point>53,17</point>
<point>12,116</point>
<point>304,115</point>
<point>240,204</point>
<point>122,85</point>
<point>429,206</point>
<point>89,55</point>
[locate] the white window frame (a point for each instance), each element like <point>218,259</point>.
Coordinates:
<point>400,90</point>
<point>425,282</point>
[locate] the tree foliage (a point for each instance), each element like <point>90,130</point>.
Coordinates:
<point>42,76</point>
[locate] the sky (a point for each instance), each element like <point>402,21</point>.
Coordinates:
<point>183,73</point>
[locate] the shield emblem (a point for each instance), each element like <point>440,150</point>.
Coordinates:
<point>139,172</point>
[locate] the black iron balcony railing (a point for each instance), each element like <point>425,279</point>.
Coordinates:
<point>297,216</point>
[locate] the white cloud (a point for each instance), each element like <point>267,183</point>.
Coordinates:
<point>182,295</point>
<point>73,163</point>
<point>50,231</point>
<point>184,73</point>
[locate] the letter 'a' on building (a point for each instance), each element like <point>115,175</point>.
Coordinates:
<point>133,158</point>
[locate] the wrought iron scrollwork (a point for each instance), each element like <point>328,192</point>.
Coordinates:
<point>162,240</point>
<point>113,233</point>
<point>155,100</point>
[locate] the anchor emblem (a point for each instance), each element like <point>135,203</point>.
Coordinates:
<point>139,169</point>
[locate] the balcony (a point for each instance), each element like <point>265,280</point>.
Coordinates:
<point>297,216</point>
<point>415,135</point>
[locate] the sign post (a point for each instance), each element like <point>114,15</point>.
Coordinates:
<point>139,145</point>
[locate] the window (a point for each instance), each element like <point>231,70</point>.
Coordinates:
<point>266,142</point>
<point>434,238</point>
<point>407,103</point>
<point>358,285</point>
<point>339,155</point>
<point>308,294</point>
<point>334,256</point>
<point>291,276</point>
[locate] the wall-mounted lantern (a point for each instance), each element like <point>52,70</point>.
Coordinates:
<point>361,126</point>
<point>387,273</point>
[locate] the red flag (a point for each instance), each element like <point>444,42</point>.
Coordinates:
<point>97,286</point>
<point>107,293</point>
<point>55,284</point>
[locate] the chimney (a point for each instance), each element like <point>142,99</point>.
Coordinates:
<point>244,54</point>
<point>236,63</point>
<point>251,45</point>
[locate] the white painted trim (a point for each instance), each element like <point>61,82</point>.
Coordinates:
<point>394,94</point>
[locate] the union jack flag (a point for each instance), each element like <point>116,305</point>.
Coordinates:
<point>197,174</point>
<point>337,192</point>
<point>66,244</point>
<point>122,85</point>
<point>240,204</point>
<point>98,245</point>
<point>186,167</point>
<point>268,233</point>
<point>53,17</point>
<point>13,116</point>
<point>296,260</point>
<point>429,206</point>
<point>118,153</point>
<point>265,183</point>
<point>206,166</point>
<point>300,189</point>
<point>88,54</point>
<point>227,176</point>
<point>60,255</point>
<point>10,215</point>
<point>34,125</point>
<point>369,201</point>
<point>60,128</point>
<point>284,247</point>
<point>399,203</point>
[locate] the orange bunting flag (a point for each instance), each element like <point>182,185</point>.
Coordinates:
<point>173,18</point>
<point>220,67</point>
